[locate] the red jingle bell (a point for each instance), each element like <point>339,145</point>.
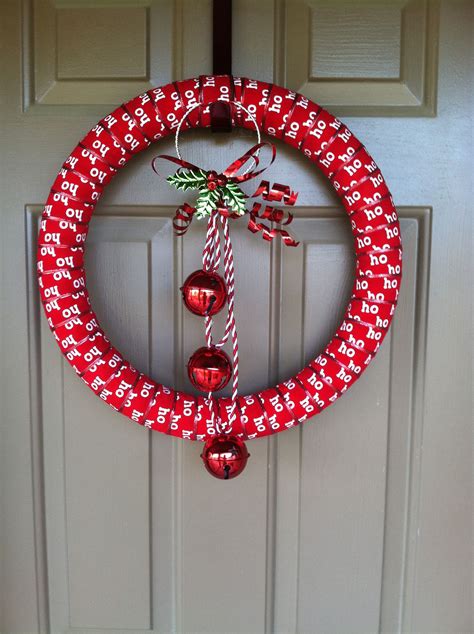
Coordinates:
<point>209,369</point>
<point>225,457</point>
<point>204,293</point>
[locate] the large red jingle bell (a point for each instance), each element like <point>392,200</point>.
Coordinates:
<point>209,369</point>
<point>204,293</point>
<point>225,457</point>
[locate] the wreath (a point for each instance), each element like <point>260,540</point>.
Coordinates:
<point>223,423</point>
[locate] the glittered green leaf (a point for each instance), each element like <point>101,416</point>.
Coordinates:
<point>188,179</point>
<point>206,201</point>
<point>234,197</point>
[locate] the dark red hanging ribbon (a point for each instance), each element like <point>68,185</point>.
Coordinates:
<point>220,111</point>
<point>275,193</point>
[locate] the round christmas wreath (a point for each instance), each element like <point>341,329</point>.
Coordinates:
<point>279,113</point>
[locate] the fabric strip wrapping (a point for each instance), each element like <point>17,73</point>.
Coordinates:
<point>131,128</point>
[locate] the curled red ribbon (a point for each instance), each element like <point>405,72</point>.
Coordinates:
<point>270,193</point>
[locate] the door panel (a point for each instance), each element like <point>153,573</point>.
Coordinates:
<point>80,54</point>
<point>368,58</point>
<point>347,516</point>
<point>348,474</point>
<point>357,521</point>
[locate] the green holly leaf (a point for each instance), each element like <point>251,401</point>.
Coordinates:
<point>230,194</point>
<point>234,197</point>
<point>188,179</point>
<point>207,201</point>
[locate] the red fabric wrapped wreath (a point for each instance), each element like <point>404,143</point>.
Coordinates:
<point>133,127</point>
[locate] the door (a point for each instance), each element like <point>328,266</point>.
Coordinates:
<point>357,522</point>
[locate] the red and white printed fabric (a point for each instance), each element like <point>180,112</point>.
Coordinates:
<point>132,127</point>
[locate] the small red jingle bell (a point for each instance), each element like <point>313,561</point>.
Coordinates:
<point>204,293</point>
<point>225,457</point>
<point>209,369</point>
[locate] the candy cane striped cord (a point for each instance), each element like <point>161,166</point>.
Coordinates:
<point>211,257</point>
<point>211,260</point>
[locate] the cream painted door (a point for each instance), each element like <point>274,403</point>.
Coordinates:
<point>358,522</point>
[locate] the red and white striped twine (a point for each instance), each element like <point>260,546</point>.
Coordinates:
<point>211,258</point>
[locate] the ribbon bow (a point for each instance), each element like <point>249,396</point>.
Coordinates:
<point>222,192</point>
